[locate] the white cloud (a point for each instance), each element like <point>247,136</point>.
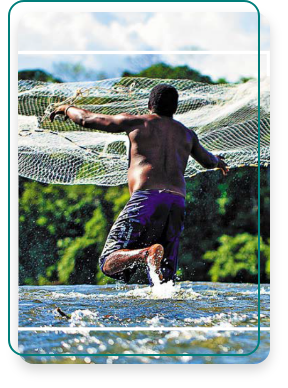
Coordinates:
<point>71,31</point>
<point>131,17</point>
<point>137,31</point>
<point>208,31</point>
<point>52,31</point>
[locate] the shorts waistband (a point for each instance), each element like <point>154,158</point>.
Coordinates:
<point>162,191</point>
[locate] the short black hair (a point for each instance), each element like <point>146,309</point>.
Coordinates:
<point>163,100</point>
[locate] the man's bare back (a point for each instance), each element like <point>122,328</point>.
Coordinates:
<point>159,150</point>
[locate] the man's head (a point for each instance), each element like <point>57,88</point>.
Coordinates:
<point>163,100</point>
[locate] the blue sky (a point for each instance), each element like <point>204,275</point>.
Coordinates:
<point>144,31</point>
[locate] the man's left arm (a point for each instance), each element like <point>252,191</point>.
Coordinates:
<point>206,158</point>
<point>107,123</point>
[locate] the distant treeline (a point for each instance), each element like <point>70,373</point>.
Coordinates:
<point>77,72</point>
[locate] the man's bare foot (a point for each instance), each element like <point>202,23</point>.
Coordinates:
<point>155,255</point>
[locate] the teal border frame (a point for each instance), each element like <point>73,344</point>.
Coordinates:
<point>9,204</point>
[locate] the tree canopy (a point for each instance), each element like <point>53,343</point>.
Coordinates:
<point>162,70</point>
<point>37,75</point>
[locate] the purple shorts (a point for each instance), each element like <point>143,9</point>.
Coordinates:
<point>149,217</point>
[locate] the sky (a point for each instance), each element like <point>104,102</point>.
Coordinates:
<point>219,31</point>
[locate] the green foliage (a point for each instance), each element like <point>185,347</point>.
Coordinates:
<point>222,81</point>
<point>37,75</point>
<point>267,267</point>
<point>165,71</point>
<point>218,205</point>
<point>243,80</point>
<point>236,258</point>
<point>62,229</point>
<point>162,70</point>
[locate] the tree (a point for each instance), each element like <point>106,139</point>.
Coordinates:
<point>236,259</point>
<point>162,70</point>
<point>37,75</point>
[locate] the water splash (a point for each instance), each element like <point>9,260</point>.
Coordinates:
<point>83,317</point>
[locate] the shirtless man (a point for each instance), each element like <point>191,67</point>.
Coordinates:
<point>148,229</point>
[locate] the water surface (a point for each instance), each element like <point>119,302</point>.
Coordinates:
<point>187,305</point>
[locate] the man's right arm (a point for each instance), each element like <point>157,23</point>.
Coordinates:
<point>107,123</point>
<point>206,158</point>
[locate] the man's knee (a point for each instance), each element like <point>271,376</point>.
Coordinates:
<point>106,269</point>
<point>108,266</point>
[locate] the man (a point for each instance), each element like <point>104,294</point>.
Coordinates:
<point>148,229</point>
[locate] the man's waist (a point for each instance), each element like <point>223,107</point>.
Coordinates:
<point>169,191</point>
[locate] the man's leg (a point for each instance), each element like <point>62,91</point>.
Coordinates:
<point>123,259</point>
<point>170,238</point>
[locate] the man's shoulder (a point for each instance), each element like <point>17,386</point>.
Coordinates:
<point>134,118</point>
<point>141,121</point>
<point>183,127</point>
<point>149,117</point>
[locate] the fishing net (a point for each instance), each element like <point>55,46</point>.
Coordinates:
<point>225,118</point>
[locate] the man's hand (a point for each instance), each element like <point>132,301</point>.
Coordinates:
<point>222,165</point>
<point>58,111</point>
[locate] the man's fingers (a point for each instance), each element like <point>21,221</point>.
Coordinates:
<point>224,168</point>
<point>224,171</point>
<point>52,116</point>
<point>222,165</point>
<point>58,111</point>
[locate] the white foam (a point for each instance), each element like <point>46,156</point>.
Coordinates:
<point>262,292</point>
<point>82,316</point>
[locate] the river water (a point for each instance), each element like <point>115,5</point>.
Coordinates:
<point>139,324</point>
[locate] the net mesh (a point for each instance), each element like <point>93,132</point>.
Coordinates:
<point>225,118</point>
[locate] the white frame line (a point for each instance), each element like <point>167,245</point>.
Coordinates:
<point>53,52</point>
<point>139,328</point>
